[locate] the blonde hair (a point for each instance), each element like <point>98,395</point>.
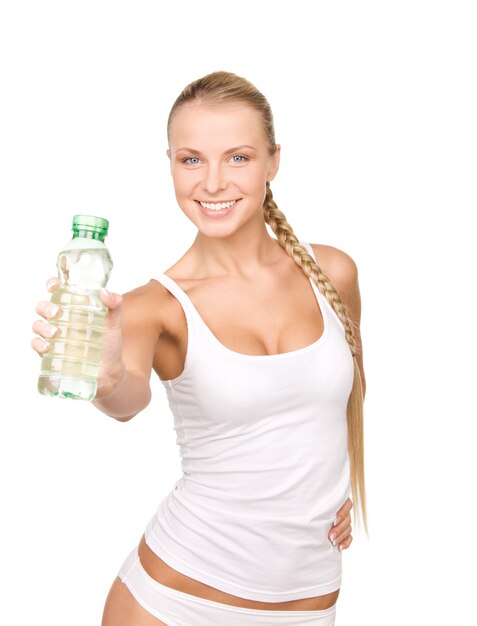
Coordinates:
<point>218,87</point>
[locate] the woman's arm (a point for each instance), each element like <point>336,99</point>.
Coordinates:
<point>128,349</point>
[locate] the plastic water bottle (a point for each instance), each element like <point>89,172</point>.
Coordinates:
<point>70,367</point>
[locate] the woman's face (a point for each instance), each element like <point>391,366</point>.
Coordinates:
<point>220,164</point>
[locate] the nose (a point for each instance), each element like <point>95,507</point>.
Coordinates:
<point>214,179</point>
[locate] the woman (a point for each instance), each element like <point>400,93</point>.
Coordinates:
<point>258,366</point>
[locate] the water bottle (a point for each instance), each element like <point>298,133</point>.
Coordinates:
<point>70,367</point>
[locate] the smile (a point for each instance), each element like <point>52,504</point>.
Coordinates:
<point>217,206</point>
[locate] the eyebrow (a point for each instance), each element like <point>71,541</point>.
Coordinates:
<point>192,151</point>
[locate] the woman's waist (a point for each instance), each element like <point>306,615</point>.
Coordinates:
<point>264,479</point>
<point>300,501</point>
<point>273,543</point>
<point>160,571</point>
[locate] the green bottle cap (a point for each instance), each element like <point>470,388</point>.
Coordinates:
<point>90,226</point>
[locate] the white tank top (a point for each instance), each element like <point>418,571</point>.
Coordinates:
<point>264,450</point>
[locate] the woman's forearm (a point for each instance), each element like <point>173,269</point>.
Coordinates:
<point>126,398</point>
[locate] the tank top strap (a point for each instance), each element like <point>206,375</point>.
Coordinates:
<point>325,305</point>
<point>179,294</point>
<point>309,248</point>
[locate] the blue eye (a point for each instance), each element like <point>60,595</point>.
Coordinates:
<point>236,158</point>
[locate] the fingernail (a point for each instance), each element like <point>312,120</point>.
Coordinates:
<point>336,521</point>
<point>333,540</point>
<point>105,291</point>
<point>52,310</point>
<point>341,547</point>
<point>44,346</point>
<point>51,282</point>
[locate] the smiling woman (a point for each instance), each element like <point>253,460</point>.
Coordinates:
<point>259,353</point>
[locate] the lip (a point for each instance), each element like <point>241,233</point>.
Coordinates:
<point>221,212</point>
<point>219,201</point>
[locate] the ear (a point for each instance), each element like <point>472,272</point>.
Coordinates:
<point>168,152</point>
<point>275,164</point>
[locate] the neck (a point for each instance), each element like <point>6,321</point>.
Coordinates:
<point>241,254</point>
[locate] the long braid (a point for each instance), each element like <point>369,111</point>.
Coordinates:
<point>354,412</point>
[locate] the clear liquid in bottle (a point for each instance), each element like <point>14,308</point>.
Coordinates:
<point>70,367</point>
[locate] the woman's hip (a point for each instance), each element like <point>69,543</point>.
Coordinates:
<point>177,608</point>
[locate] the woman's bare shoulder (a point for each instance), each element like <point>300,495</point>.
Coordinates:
<point>152,304</point>
<point>143,295</point>
<point>337,264</point>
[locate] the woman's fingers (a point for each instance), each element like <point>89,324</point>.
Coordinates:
<point>47,309</point>
<point>340,533</point>
<point>44,329</point>
<point>113,319</point>
<point>112,300</point>
<point>343,545</point>
<point>52,283</point>
<point>40,346</point>
<point>344,512</point>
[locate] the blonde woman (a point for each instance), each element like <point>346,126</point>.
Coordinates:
<point>256,341</point>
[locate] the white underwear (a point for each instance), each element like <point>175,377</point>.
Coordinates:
<point>176,608</point>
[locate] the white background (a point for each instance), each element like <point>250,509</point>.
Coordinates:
<point>374,107</point>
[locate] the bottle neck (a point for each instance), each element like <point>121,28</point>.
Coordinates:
<point>88,234</point>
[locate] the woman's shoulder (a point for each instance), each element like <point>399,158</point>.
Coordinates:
<point>338,265</point>
<point>151,303</point>
<point>141,295</point>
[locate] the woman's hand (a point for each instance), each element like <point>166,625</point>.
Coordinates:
<point>340,535</point>
<point>46,331</point>
<point>111,367</point>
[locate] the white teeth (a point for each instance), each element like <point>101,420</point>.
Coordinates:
<point>217,206</point>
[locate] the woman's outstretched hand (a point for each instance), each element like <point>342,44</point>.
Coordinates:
<point>111,367</point>
<point>340,535</point>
